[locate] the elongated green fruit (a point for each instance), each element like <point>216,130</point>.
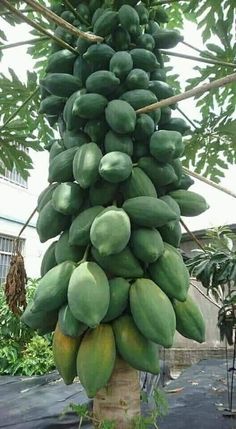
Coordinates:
<point>171,274</point>
<point>190,203</point>
<point>152,312</point>
<point>96,358</point>
<point>189,320</point>
<point>89,294</point>
<point>134,348</point>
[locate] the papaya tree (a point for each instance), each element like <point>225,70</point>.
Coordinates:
<point>114,282</point>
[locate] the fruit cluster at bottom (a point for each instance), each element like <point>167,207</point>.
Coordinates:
<point>114,282</point>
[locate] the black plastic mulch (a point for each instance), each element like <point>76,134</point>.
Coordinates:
<point>38,402</point>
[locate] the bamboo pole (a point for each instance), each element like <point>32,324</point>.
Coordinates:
<point>192,235</point>
<point>210,182</point>
<point>38,27</point>
<point>190,93</point>
<point>51,16</point>
<point>24,42</point>
<point>200,59</point>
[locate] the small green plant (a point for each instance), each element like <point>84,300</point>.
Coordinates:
<point>22,351</point>
<point>159,409</point>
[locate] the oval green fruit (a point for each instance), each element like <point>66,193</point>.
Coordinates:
<point>146,244</point>
<point>86,163</point>
<point>89,294</point>
<point>153,312</point>
<point>133,347</point>
<point>189,320</point>
<point>115,167</point>
<point>171,274</point>
<point>119,297</point>
<point>110,231</point>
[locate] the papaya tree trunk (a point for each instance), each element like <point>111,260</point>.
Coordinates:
<point>119,401</point>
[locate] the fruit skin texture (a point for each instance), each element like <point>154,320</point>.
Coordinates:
<point>115,167</point>
<point>61,62</point>
<point>80,228</point>
<point>61,84</point>
<point>68,324</point>
<point>64,353</point>
<point>152,312</point>
<point>133,347</point>
<point>89,294</point>
<point>190,203</point>
<point>89,106</point>
<point>123,264</point>
<point>118,143</point>
<point>139,98</point>
<point>171,274</point>
<point>45,321</point>
<point>60,169</point>
<point>110,231</point>
<point>49,259</point>
<point>50,222</point>
<point>45,196</point>
<point>119,296</point>
<point>166,145</point>
<point>138,185</point>
<point>146,244</point>
<point>120,116</point>
<point>51,292</point>
<point>67,198</point>
<point>148,211</point>
<point>66,252</point>
<point>121,64</point>
<point>96,358</point>
<point>102,82</point>
<point>189,320</point>
<point>86,163</point>
<point>160,174</point>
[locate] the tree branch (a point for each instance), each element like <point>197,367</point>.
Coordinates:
<point>7,13</point>
<point>193,58</point>
<point>192,235</point>
<point>51,16</point>
<point>161,2</point>
<point>14,114</point>
<point>210,182</point>
<point>205,296</point>
<point>187,118</point>
<point>25,42</point>
<point>191,46</point>
<point>38,27</point>
<point>190,93</point>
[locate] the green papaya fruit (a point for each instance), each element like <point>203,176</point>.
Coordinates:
<point>115,167</point>
<point>86,164</point>
<point>138,185</point>
<point>50,222</point>
<point>49,259</point>
<point>119,297</point>
<point>88,294</point>
<point>68,324</point>
<point>146,244</point>
<point>114,142</point>
<point>152,312</point>
<point>51,292</point>
<point>133,347</point>
<point>110,231</point>
<point>171,274</point>
<point>102,193</point>
<point>67,252</point>
<point>120,116</point>
<point>123,264</point>
<point>189,320</point>
<point>79,232</point>
<point>190,203</point>
<point>67,198</point>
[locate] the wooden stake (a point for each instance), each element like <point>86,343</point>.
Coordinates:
<point>200,59</point>
<point>37,26</point>
<point>192,235</point>
<point>51,16</point>
<point>210,182</point>
<point>190,93</point>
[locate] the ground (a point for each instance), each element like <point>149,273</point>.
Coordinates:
<point>196,400</point>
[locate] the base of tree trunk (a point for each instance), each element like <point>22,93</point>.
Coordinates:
<point>119,401</point>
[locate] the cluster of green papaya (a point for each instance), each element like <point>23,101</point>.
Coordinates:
<point>114,282</point>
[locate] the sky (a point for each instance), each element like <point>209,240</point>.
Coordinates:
<point>222,209</point>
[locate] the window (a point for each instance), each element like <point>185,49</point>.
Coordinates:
<point>6,250</point>
<point>13,176</point>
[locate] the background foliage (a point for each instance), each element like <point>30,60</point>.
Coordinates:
<point>22,351</point>
<point>211,145</point>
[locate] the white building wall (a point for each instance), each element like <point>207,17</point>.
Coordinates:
<point>17,205</point>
